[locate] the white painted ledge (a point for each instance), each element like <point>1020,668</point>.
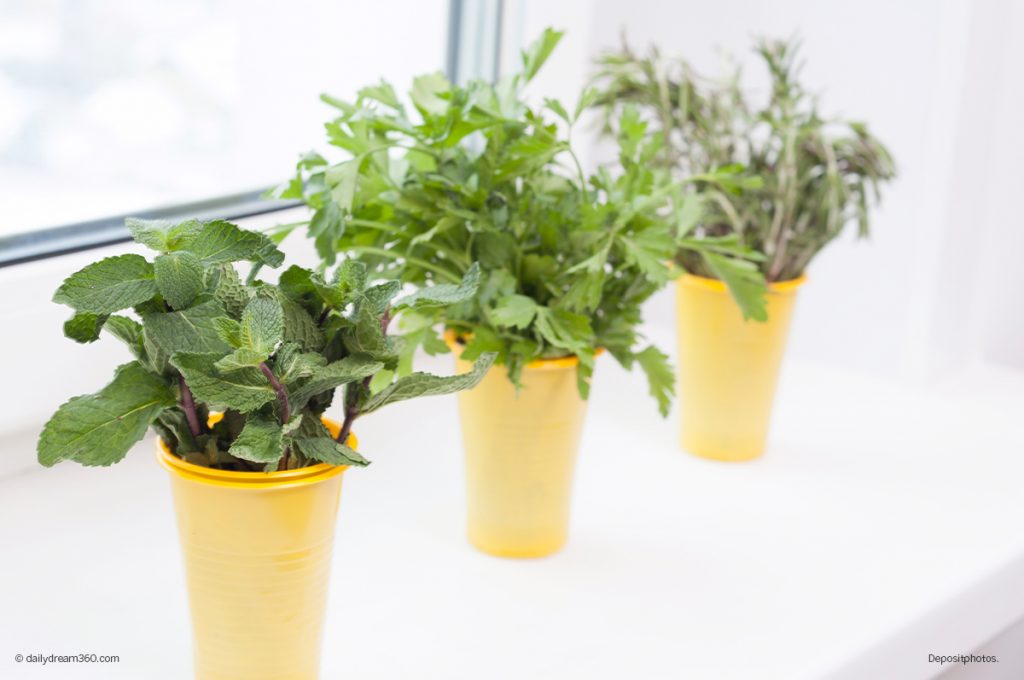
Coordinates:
<point>884,524</point>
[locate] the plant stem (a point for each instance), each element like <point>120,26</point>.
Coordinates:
<point>411,260</point>
<point>189,404</point>
<point>351,406</point>
<point>346,427</point>
<point>282,395</point>
<point>279,232</point>
<point>286,410</point>
<point>253,273</point>
<point>351,411</point>
<point>439,247</point>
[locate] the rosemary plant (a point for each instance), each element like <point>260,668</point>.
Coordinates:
<point>803,177</point>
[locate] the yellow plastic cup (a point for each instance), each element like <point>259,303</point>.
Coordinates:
<point>257,549</point>
<point>521,456</point>
<point>728,367</point>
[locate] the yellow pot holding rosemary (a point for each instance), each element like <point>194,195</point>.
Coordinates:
<point>728,367</point>
<point>773,179</point>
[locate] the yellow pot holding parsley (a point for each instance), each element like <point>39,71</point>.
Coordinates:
<point>520,452</point>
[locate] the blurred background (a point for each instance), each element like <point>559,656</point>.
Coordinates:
<point>111,107</point>
<point>938,286</point>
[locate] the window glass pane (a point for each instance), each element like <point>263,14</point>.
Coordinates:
<point>110,106</point>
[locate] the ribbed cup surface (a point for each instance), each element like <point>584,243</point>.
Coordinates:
<point>520,458</point>
<point>257,561</point>
<point>728,367</point>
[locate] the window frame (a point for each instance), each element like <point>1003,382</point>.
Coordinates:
<point>470,51</point>
<point>107,231</point>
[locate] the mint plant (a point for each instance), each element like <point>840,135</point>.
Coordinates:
<point>461,175</point>
<point>269,358</point>
<point>805,176</point>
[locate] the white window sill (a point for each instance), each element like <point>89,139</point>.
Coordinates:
<point>883,525</point>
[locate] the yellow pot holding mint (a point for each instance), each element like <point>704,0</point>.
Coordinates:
<point>234,378</point>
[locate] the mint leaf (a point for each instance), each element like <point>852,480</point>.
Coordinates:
<point>516,311</point>
<point>296,284</point>
<point>179,278</point>
<point>366,335</point>
<point>379,297</point>
<point>424,384</point>
<point>244,390</point>
<point>127,331</point>
<point>161,235</point>
<point>219,241</point>
<point>291,363</point>
<point>260,441</point>
<point>299,326</point>
<point>292,425</point>
<point>334,375</point>
<point>660,376</point>
<point>262,325</point>
<point>383,378</point>
<point>348,280</point>
<point>150,233</point>
<point>230,291</point>
<point>229,330</point>
<point>110,285</point>
<point>241,358</point>
<point>350,277</point>
<point>191,330</point>
<point>172,426</point>
<point>84,327</point>
<point>100,428</point>
<point>326,450</point>
<point>443,294</point>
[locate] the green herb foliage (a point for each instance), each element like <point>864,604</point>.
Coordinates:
<point>806,177</point>
<point>269,358</point>
<point>474,174</point>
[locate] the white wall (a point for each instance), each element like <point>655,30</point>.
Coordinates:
<point>937,286</point>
